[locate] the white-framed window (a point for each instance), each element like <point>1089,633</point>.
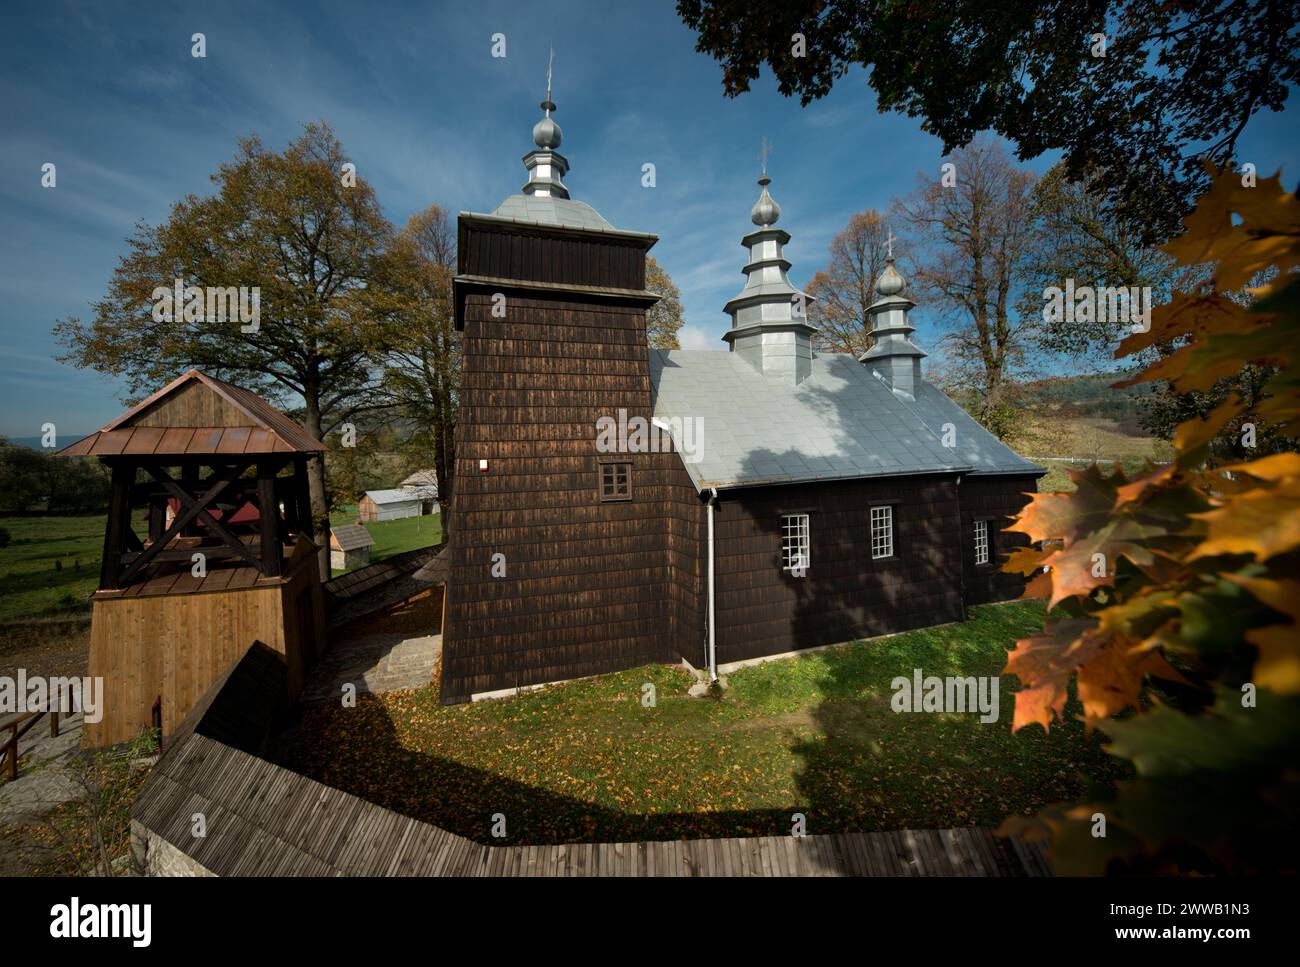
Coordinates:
<point>795,551</point>
<point>981,542</point>
<point>882,532</point>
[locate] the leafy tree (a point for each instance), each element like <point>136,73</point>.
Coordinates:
<point>1187,575</point>
<point>288,223</point>
<point>973,240</point>
<point>846,288</point>
<point>412,307</point>
<point>665,316</point>
<point>23,480</point>
<point>1170,75</point>
<point>1076,238</point>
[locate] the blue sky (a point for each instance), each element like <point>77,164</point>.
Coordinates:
<point>110,93</point>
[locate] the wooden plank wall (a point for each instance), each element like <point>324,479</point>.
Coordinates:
<point>193,405</point>
<point>998,498</point>
<point>177,645</point>
<point>550,255</point>
<point>763,610</point>
<point>588,586</point>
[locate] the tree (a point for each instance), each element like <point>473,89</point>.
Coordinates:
<point>665,316</point>
<point>843,291</point>
<point>973,239</point>
<point>296,226</point>
<point>1176,604</point>
<point>412,306</point>
<point>1169,75</point>
<point>1076,238</point>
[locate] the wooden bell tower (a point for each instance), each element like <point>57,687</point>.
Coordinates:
<point>208,547</point>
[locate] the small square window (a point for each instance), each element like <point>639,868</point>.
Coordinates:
<point>981,542</point>
<point>794,542</point>
<point>616,481</point>
<point>882,532</point>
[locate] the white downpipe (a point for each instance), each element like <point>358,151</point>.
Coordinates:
<point>713,645</point>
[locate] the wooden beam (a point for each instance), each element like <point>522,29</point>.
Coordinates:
<point>119,522</point>
<point>302,493</point>
<point>191,510</point>
<point>268,519</point>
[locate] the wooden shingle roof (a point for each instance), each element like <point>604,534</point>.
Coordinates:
<point>196,415</point>
<point>350,537</point>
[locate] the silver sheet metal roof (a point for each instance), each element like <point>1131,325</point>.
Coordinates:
<point>551,210</point>
<point>393,496</point>
<point>842,422</point>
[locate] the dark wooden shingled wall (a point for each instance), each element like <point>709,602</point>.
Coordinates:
<point>588,586</point>
<point>763,610</point>
<point>995,499</point>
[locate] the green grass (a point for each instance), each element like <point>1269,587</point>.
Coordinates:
<point>51,564</point>
<point>1057,479</point>
<point>814,734</point>
<point>393,536</point>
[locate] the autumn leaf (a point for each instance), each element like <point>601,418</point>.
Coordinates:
<point>1262,523</point>
<point>1278,665</point>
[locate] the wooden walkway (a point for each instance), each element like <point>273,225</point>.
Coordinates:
<point>366,590</point>
<point>263,820</point>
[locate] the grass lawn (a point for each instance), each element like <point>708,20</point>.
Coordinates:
<point>815,734</point>
<point>1057,479</point>
<point>393,536</point>
<point>51,564</point>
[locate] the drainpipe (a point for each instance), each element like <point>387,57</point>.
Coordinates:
<point>713,644</point>
<point>961,552</point>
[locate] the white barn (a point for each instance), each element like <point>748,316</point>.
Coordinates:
<point>388,505</point>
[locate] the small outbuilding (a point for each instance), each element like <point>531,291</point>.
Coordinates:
<point>388,505</point>
<point>349,546</point>
<point>424,483</point>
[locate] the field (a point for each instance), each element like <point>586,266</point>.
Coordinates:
<point>1084,439</point>
<point>393,536</point>
<point>816,734</point>
<point>51,565</point>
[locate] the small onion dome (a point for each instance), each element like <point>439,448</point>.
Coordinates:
<point>546,133</point>
<point>765,211</point>
<point>890,282</point>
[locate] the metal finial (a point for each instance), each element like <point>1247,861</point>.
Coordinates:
<point>546,133</point>
<point>763,152</point>
<point>549,64</point>
<point>889,241</point>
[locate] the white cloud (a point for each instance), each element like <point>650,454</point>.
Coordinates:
<point>693,337</point>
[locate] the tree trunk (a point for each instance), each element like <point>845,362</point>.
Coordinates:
<point>320,510</point>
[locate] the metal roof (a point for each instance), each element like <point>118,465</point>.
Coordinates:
<point>552,210</point>
<point>423,478</point>
<point>840,423</point>
<point>393,496</point>
<point>350,537</point>
<point>267,429</point>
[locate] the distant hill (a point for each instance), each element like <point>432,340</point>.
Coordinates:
<point>1092,395</point>
<point>34,442</point>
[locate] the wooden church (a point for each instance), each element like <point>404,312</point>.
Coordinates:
<point>215,480</point>
<point>824,498</point>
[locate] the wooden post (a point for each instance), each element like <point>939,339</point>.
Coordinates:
<point>302,494</point>
<point>119,520</point>
<point>157,518</point>
<point>268,515</point>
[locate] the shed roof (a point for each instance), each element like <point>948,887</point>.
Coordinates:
<point>393,496</point>
<point>423,478</point>
<point>840,423</point>
<point>350,537</point>
<point>198,415</point>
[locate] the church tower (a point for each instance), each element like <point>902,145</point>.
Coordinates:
<point>559,551</point>
<point>893,357</point>
<point>769,321</point>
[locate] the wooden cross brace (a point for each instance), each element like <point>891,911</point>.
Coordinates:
<point>191,509</point>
